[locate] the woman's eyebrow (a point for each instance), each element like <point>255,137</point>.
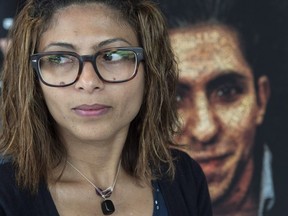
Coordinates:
<point>112,40</point>
<point>73,47</point>
<point>60,44</point>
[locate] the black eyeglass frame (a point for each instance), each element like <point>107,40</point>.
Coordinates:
<point>34,58</point>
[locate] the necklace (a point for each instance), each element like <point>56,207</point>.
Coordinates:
<point>107,205</point>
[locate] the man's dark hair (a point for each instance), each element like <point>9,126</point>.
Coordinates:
<point>249,19</point>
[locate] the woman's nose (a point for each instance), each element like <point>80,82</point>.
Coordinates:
<point>89,80</point>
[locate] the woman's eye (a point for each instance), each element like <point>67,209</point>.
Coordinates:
<point>111,57</point>
<point>59,59</point>
<point>118,55</point>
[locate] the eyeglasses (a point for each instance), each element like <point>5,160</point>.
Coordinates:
<point>61,68</point>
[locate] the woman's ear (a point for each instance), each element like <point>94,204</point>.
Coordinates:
<point>263,95</point>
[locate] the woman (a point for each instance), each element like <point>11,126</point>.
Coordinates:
<point>88,130</point>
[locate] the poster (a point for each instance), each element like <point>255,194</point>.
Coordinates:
<point>232,99</point>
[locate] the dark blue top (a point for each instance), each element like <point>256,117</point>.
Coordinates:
<point>185,195</point>
<point>160,208</point>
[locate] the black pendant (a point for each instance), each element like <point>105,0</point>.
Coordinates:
<point>107,207</point>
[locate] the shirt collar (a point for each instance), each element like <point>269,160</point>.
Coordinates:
<point>267,194</point>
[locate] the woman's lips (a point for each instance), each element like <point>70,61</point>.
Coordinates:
<point>91,110</point>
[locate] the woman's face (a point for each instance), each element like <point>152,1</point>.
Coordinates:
<point>91,110</point>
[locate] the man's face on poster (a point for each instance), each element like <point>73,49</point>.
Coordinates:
<point>218,104</point>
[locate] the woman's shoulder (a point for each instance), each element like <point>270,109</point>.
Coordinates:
<point>8,186</point>
<point>187,193</point>
<point>187,166</point>
<point>186,170</point>
<point>7,172</point>
<point>39,203</point>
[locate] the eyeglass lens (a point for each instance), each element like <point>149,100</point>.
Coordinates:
<point>112,65</point>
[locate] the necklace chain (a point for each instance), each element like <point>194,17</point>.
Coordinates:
<point>103,193</point>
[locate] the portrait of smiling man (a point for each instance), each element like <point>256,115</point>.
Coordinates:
<point>223,94</point>
<point>221,109</point>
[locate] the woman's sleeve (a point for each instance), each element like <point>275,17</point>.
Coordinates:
<point>187,194</point>
<point>204,202</point>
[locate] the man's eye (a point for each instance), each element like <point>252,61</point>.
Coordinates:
<point>227,93</point>
<point>182,91</point>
